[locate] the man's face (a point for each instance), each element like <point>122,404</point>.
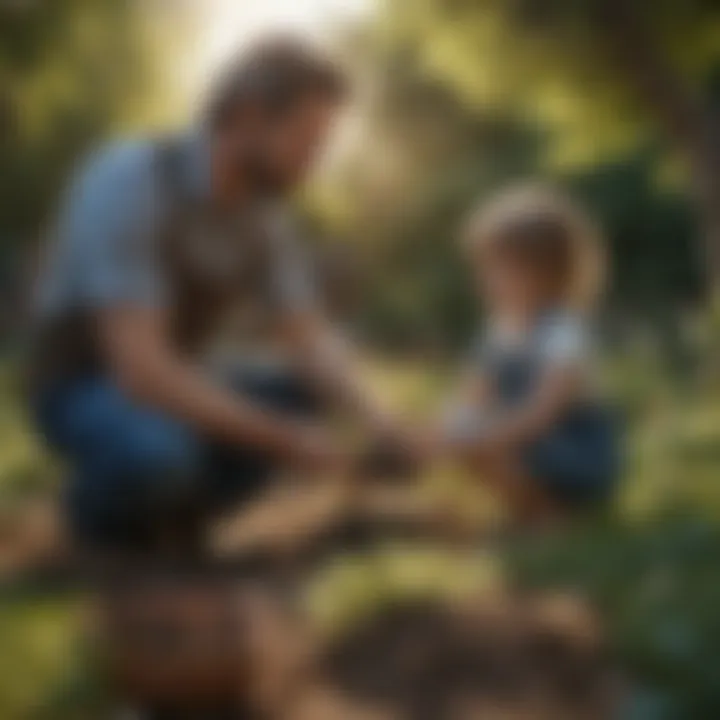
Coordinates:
<point>275,153</point>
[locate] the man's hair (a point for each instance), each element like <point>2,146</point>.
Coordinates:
<point>274,75</point>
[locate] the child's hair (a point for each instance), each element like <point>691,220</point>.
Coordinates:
<point>546,229</point>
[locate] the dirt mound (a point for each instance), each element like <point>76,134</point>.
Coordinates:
<point>530,659</point>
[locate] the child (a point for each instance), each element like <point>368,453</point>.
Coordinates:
<point>527,418</point>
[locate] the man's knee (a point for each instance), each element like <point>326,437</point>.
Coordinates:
<point>126,486</point>
<point>165,458</point>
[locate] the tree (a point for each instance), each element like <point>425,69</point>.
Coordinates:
<point>71,72</point>
<point>604,76</point>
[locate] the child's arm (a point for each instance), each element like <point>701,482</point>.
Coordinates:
<point>471,394</point>
<point>557,388</point>
<point>564,354</point>
<point>467,402</point>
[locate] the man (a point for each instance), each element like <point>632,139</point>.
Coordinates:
<point>158,244</point>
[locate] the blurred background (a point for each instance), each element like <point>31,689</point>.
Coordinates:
<point>618,100</point>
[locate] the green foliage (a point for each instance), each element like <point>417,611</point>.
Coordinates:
<point>39,650</point>
<point>554,62</point>
<point>469,96</point>
<point>472,96</point>
<point>656,587</point>
<point>419,286</point>
<point>71,72</point>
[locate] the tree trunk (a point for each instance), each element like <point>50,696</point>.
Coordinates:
<point>685,117</point>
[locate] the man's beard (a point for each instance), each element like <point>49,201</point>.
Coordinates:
<point>263,178</point>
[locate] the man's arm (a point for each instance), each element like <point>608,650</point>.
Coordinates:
<point>148,369</point>
<point>328,361</point>
<point>320,351</point>
<point>113,215</point>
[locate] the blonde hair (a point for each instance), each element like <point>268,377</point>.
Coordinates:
<point>538,219</point>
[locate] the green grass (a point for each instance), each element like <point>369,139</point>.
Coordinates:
<point>39,663</point>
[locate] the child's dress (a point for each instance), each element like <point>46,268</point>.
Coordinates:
<point>577,458</point>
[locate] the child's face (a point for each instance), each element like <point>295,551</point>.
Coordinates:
<point>508,284</point>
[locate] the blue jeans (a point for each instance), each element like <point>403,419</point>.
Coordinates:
<point>578,461</point>
<point>134,468</point>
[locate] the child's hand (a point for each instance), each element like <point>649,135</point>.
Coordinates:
<point>412,448</point>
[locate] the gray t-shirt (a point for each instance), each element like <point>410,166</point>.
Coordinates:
<point>559,338</point>
<point>106,245</point>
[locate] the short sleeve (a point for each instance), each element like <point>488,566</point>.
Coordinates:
<point>565,341</point>
<point>292,284</point>
<point>110,224</point>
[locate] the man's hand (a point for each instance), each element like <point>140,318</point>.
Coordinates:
<point>409,442</point>
<point>316,450</point>
<point>329,362</point>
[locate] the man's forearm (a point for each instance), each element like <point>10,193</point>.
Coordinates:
<point>148,367</point>
<point>181,390</point>
<point>333,369</point>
